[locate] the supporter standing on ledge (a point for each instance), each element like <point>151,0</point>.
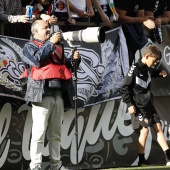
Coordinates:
<point>160,11</point>
<point>104,13</point>
<point>131,18</point>
<point>10,11</point>
<point>40,10</point>
<point>44,90</point>
<point>136,93</point>
<point>61,9</point>
<point>81,10</point>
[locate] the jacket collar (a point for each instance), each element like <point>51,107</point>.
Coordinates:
<point>142,65</point>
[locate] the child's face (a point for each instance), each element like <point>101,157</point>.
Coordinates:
<point>151,61</point>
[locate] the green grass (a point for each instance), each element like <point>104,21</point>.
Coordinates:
<point>141,168</point>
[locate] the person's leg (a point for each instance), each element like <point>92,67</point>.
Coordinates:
<point>142,140</point>
<point>40,114</point>
<point>131,54</point>
<point>162,141</point>
<point>160,136</point>
<point>141,145</point>
<point>54,132</point>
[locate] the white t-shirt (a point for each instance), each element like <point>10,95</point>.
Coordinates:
<point>79,4</point>
<point>103,2</point>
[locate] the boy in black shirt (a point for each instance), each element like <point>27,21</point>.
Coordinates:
<point>136,93</point>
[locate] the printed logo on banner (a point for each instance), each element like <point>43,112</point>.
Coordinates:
<point>10,66</point>
<point>112,77</point>
<point>100,78</point>
<point>167,55</point>
<point>89,72</point>
<point>61,6</point>
<point>100,74</point>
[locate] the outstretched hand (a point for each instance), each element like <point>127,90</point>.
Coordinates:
<point>163,73</point>
<point>24,18</point>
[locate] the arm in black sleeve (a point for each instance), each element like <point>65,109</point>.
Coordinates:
<point>154,72</point>
<point>128,85</point>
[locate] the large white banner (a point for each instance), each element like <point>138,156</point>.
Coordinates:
<point>105,135</point>
<point>100,74</point>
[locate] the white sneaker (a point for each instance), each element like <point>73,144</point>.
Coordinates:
<point>168,163</point>
<point>36,168</point>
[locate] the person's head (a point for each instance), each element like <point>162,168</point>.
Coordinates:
<point>40,30</point>
<point>151,56</point>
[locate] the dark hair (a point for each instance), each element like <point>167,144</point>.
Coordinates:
<point>153,51</point>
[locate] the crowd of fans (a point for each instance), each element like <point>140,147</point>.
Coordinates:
<point>87,10</point>
<point>71,11</point>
